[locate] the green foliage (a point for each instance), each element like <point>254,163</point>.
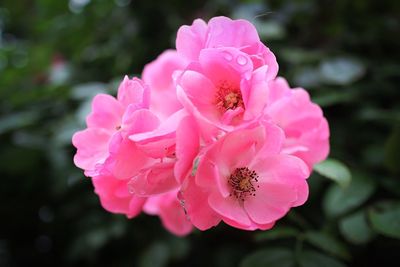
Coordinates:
<point>345,53</point>
<point>355,228</point>
<point>385,218</point>
<point>338,200</point>
<point>270,257</point>
<point>334,170</point>
<point>327,243</point>
<point>311,258</point>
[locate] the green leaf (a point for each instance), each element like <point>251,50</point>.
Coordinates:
<point>385,218</point>
<point>338,200</point>
<point>309,258</point>
<point>281,257</point>
<point>392,151</point>
<point>307,77</point>
<point>17,120</point>
<point>391,184</point>
<point>277,233</point>
<point>341,70</point>
<point>355,228</point>
<point>195,166</point>
<point>156,255</point>
<point>328,98</point>
<point>335,170</point>
<point>327,243</point>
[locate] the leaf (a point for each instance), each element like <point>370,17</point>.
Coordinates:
<point>309,258</point>
<point>88,90</point>
<point>335,170</point>
<point>277,233</point>
<point>341,70</point>
<point>329,98</point>
<point>327,243</point>
<point>195,166</point>
<point>281,257</point>
<point>338,201</point>
<point>156,255</point>
<point>17,120</point>
<point>391,184</point>
<point>270,30</point>
<point>179,247</point>
<point>392,151</point>
<point>355,229</point>
<point>385,218</point>
<point>307,77</point>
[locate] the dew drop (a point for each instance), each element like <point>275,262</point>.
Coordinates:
<point>131,188</point>
<point>241,60</point>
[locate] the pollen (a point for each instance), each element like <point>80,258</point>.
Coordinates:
<point>228,97</point>
<point>243,183</point>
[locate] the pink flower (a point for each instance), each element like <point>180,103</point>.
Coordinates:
<point>115,197</point>
<point>159,75</point>
<point>306,129</point>
<point>110,119</point>
<point>217,91</point>
<point>245,180</point>
<point>220,139</point>
<point>170,210</point>
<point>105,120</point>
<point>222,32</point>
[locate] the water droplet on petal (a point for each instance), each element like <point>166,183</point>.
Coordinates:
<point>131,188</point>
<point>241,60</point>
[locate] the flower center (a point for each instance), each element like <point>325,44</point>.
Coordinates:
<point>242,182</point>
<point>228,97</point>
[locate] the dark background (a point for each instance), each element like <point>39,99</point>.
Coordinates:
<point>55,55</point>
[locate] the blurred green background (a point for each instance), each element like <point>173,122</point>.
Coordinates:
<point>55,55</point>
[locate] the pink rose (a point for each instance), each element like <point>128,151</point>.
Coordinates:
<point>105,120</point>
<point>245,180</point>
<point>168,207</point>
<point>211,135</point>
<point>222,32</point>
<point>159,75</point>
<point>306,129</point>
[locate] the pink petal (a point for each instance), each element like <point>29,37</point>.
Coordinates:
<point>156,180</point>
<point>198,88</point>
<point>106,187</point>
<point>126,160</point>
<point>173,215</point>
<point>232,33</point>
<point>106,113</point>
<point>237,148</point>
<point>167,129</point>
<point>271,202</point>
<point>280,169</point>
<point>159,74</point>
<point>138,121</point>
<point>187,147</point>
<point>229,207</point>
<point>225,64</point>
<point>191,39</point>
<point>195,202</point>
<point>274,139</point>
<point>92,147</point>
<point>134,92</point>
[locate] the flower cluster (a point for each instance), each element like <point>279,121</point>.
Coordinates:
<point>209,134</point>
